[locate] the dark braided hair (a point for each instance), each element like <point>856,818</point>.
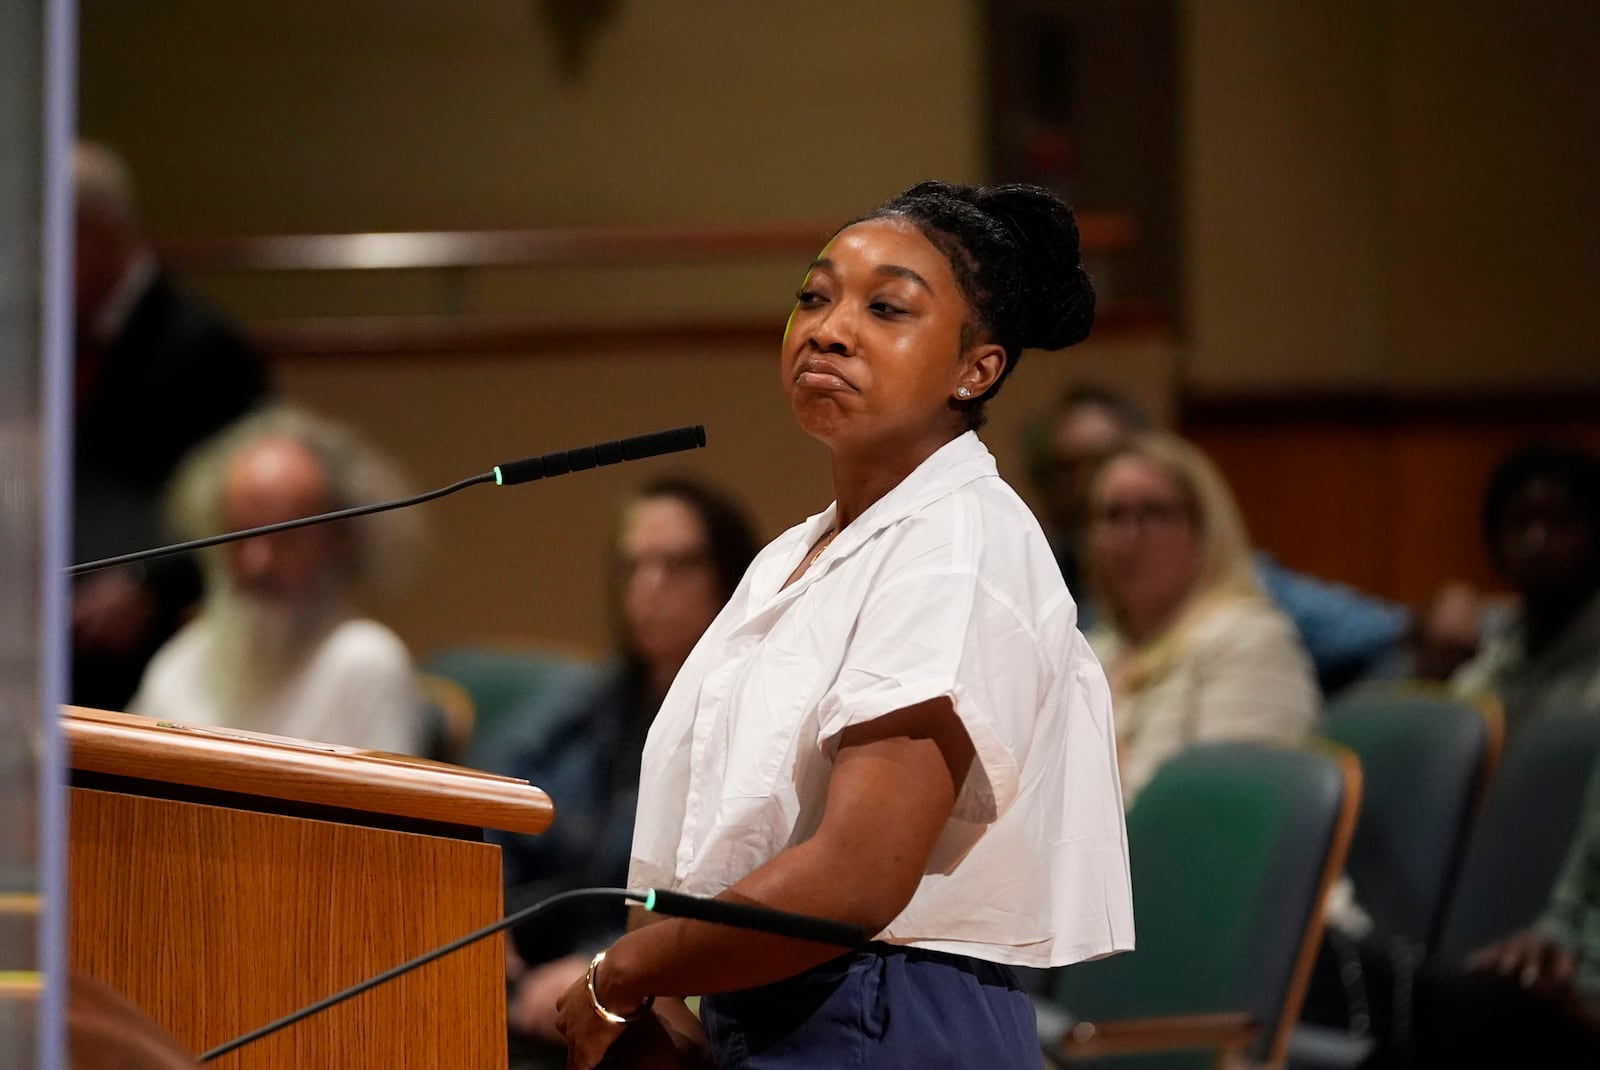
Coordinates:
<point>1016,255</point>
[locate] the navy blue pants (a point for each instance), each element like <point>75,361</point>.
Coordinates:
<point>888,1007</point>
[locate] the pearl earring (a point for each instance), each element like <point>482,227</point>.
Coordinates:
<point>963,392</point>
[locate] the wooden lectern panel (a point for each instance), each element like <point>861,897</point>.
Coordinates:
<point>216,920</point>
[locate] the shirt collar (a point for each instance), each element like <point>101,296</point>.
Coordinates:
<point>958,462</point>
<point>113,313</point>
<point>955,464</point>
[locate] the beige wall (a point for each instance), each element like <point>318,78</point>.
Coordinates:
<point>1283,194</point>
<point>1391,194</point>
<point>257,116</point>
<point>1495,143</point>
<point>272,116</point>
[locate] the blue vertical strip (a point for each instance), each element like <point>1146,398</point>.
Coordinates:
<point>59,124</point>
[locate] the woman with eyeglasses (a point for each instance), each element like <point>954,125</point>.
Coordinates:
<point>1193,649</point>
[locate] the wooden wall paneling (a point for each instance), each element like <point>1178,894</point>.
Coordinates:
<point>1315,497</point>
<point>1441,469</point>
<point>1385,495</point>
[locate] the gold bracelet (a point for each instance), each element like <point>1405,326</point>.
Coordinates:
<point>594,1000</point>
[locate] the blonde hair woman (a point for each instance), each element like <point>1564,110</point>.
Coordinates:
<point>1193,649</point>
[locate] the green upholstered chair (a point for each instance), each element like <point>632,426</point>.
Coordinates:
<point>1426,759</point>
<point>507,685</point>
<point>1233,847</point>
<point>1522,832</point>
<point>1522,835</point>
<point>448,715</point>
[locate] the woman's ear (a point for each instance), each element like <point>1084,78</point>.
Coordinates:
<point>982,366</point>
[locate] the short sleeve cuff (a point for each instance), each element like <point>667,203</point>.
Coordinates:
<point>991,783</point>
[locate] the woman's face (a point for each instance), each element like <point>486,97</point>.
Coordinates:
<point>872,356</point>
<point>1142,540</point>
<point>669,583</point>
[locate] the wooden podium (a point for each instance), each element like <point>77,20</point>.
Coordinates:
<point>221,880</point>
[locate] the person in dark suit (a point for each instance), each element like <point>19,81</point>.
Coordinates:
<point>156,372</point>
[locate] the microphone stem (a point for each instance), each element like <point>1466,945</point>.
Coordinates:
<point>269,529</point>
<point>526,470</point>
<point>421,960</point>
<point>675,904</point>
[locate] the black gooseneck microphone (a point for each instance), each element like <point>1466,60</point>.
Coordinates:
<point>674,904</point>
<point>526,470</point>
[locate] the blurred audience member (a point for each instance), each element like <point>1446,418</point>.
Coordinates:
<point>1449,631</point>
<point>156,374</point>
<point>678,554</point>
<point>277,646</point>
<point>1541,519</point>
<point>1532,999</point>
<point>1445,633</point>
<point>1065,450</point>
<point>1194,650</point>
<point>1345,631</point>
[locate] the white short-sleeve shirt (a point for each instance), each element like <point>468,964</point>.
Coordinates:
<point>943,587</point>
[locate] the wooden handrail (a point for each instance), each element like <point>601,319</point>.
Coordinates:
<point>442,335</point>
<point>467,332</point>
<point>1102,233</point>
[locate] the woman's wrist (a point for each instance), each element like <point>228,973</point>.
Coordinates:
<point>613,997</point>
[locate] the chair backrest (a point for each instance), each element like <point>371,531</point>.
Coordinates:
<point>507,686</point>
<point>1522,834</point>
<point>1233,847</point>
<point>1423,760</point>
<point>451,715</point>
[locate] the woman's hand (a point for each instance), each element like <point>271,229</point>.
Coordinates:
<point>588,1035</point>
<point>532,1010</point>
<point>1532,959</point>
<point>515,967</point>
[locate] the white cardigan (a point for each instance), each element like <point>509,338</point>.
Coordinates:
<point>1242,675</point>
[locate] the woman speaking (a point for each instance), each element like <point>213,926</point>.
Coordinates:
<point>894,721</point>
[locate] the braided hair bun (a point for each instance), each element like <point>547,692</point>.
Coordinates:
<point>1057,304</point>
<point>1017,257</point>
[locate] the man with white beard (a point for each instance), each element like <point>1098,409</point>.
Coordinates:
<point>277,646</point>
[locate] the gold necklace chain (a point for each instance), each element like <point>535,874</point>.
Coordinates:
<point>822,544</point>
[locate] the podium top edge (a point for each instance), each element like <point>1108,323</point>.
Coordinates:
<point>300,771</point>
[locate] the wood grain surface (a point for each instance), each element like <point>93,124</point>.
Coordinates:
<point>215,921</point>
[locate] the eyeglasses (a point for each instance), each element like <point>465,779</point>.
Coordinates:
<point>1141,516</point>
<point>671,565</point>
